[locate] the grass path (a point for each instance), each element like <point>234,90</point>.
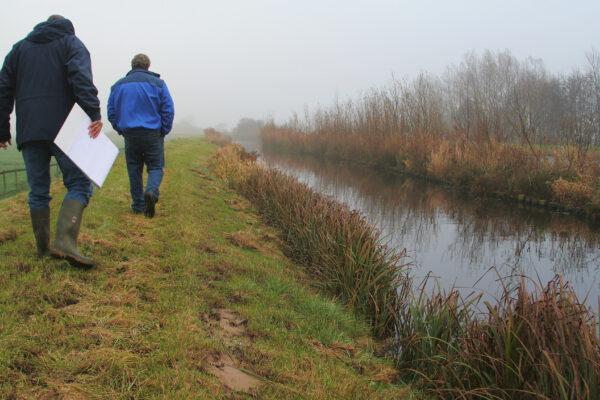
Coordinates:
<point>196,303</point>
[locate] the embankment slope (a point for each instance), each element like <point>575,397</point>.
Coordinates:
<point>198,302</point>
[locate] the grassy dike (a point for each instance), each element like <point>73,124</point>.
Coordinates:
<point>198,302</point>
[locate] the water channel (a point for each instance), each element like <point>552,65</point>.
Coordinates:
<point>465,243</point>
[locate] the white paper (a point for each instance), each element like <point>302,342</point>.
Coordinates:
<point>94,157</point>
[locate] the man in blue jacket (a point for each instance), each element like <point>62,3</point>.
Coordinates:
<point>141,109</point>
<point>44,75</point>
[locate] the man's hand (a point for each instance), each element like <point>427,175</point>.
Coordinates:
<point>94,129</point>
<point>4,145</point>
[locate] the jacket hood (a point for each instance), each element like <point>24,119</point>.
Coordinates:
<point>48,31</point>
<point>144,71</point>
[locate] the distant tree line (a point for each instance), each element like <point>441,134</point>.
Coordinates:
<point>247,128</point>
<point>492,124</point>
<point>489,97</point>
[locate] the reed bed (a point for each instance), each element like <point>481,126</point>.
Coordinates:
<point>536,342</point>
<point>559,175</point>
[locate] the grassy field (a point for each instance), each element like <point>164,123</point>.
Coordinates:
<point>16,181</point>
<point>198,302</point>
<point>11,158</point>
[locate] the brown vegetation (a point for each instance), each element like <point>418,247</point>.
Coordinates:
<point>214,136</point>
<point>493,126</point>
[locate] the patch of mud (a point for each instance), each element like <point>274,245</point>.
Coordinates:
<point>224,366</point>
<point>231,323</point>
<point>228,322</point>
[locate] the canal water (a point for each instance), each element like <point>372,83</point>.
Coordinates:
<point>465,243</point>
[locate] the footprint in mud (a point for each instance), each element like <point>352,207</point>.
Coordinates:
<point>231,323</point>
<point>223,366</point>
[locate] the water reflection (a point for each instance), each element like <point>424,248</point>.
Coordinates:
<point>457,238</point>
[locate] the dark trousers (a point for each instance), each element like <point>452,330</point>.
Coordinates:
<point>144,148</point>
<point>37,163</point>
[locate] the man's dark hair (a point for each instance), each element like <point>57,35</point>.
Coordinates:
<point>140,61</point>
<point>54,17</point>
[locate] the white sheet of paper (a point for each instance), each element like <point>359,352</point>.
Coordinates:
<point>94,157</point>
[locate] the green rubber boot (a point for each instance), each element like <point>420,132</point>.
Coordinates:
<point>67,230</point>
<point>40,220</point>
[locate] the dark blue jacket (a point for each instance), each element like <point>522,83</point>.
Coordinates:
<point>44,75</point>
<point>140,102</point>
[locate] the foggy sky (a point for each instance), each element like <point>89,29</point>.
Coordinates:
<point>228,59</point>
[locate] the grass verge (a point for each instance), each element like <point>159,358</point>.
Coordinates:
<point>198,302</point>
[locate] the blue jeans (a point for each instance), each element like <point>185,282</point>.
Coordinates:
<point>37,163</point>
<point>144,148</point>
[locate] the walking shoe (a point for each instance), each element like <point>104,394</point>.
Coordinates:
<point>150,200</point>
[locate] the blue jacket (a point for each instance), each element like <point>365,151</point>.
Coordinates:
<point>140,102</point>
<point>44,75</point>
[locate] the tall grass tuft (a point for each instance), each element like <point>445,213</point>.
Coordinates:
<point>428,331</point>
<point>539,343</point>
<point>342,252</point>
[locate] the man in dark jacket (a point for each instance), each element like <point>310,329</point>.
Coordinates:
<point>44,75</point>
<point>141,109</point>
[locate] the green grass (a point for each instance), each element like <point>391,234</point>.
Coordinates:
<point>14,182</point>
<point>144,323</point>
<point>11,158</point>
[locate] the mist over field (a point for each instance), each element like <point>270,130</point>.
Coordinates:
<point>404,146</point>
<point>228,60</point>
